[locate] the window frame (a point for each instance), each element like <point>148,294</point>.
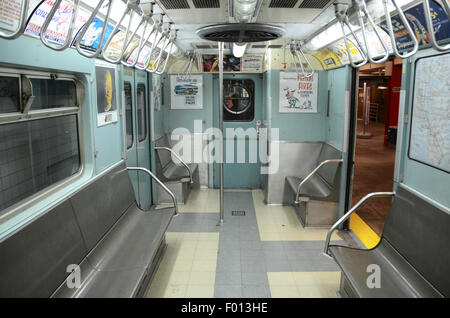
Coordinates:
<point>16,117</point>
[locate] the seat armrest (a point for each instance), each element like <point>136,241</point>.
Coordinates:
<point>349,213</point>
<point>175,205</point>
<point>309,176</point>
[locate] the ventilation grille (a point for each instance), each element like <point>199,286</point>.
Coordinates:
<point>175,4</point>
<point>206,4</point>
<point>275,46</point>
<point>282,3</point>
<point>258,46</point>
<point>235,32</point>
<point>314,4</point>
<point>237,213</point>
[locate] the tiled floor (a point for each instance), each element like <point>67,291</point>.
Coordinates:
<point>265,253</point>
<point>280,223</point>
<point>188,268</point>
<point>304,284</point>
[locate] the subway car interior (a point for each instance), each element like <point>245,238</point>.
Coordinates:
<point>224,149</point>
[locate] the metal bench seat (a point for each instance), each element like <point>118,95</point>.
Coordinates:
<point>398,278</point>
<point>128,250</point>
<point>100,229</point>
<point>178,175</point>
<point>315,195</point>
<point>315,188</point>
<point>412,253</point>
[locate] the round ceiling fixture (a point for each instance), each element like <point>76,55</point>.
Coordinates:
<point>240,32</point>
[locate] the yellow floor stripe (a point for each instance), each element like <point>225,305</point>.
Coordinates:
<point>367,236</point>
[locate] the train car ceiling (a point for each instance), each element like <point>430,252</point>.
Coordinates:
<point>153,35</point>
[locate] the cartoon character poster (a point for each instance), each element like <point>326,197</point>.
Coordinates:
<point>91,39</point>
<point>211,63</point>
<point>186,92</point>
<point>298,93</point>
<point>106,96</point>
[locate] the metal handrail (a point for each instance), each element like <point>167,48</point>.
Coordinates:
<point>130,10</point>
<point>169,50</point>
<point>179,158</point>
<point>187,70</point>
<point>175,205</point>
<point>295,48</point>
<point>349,213</point>
<point>426,7</point>
<point>157,23</point>
<point>22,23</point>
<point>341,10</point>
<point>148,17</point>
<point>158,37</point>
<point>49,18</point>
<point>363,13</point>
<point>406,24</point>
<point>88,24</point>
<point>309,176</point>
<point>169,37</point>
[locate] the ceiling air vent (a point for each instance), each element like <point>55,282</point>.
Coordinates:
<point>314,4</point>
<point>282,3</point>
<point>258,46</point>
<point>206,4</point>
<point>175,4</point>
<point>275,46</point>
<point>236,32</point>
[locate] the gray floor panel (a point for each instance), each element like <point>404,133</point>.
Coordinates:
<point>243,259</point>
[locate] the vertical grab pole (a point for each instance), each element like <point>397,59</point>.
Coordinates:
<point>221,130</point>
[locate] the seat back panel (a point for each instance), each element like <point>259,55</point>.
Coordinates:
<point>420,232</point>
<point>329,171</point>
<point>34,259</point>
<point>100,204</point>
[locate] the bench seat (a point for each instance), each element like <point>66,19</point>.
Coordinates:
<point>127,250</point>
<point>412,253</point>
<point>398,278</point>
<point>100,228</point>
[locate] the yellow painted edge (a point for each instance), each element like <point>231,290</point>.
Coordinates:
<point>367,236</point>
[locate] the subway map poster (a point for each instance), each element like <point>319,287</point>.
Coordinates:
<point>430,126</point>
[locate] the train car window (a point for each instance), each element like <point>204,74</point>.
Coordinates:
<point>239,103</point>
<point>35,155</point>
<point>129,113</point>
<point>50,93</point>
<point>9,94</point>
<point>142,112</point>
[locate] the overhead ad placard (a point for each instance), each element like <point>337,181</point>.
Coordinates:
<point>298,93</point>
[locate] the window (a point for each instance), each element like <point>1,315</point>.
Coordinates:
<point>129,113</point>
<point>39,145</point>
<point>9,94</point>
<point>142,112</point>
<point>239,100</point>
<point>52,93</point>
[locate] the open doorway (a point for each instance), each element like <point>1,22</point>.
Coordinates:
<point>378,102</point>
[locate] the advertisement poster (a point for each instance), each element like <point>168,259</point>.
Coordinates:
<point>91,39</point>
<point>211,63</point>
<point>252,63</point>
<point>298,93</point>
<point>10,14</point>
<point>186,92</point>
<point>416,19</point>
<point>59,26</point>
<point>106,96</point>
<point>114,49</point>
